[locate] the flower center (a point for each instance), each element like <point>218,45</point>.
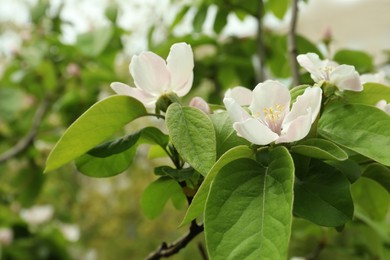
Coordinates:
<point>325,71</point>
<point>273,117</point>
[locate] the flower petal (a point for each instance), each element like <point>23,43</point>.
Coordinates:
<point>345,77</point>
<point>183,90</point>
<point>269,94</point>
<point>255,132</point>
<point>312,63</point>
<point>150,73</point>
<point>180,64</point>
<point>236,112</point>
<point>243,96</point>
<point>123,89</point>
<point>311,98</point>
<point>296,129</point>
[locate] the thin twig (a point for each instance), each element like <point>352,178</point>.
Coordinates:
<point>167,250</point>
<point>25,142</point>
<point>260,43</point>
<point>292,45</point>
<point>317,250</point>
<point>202,251</point>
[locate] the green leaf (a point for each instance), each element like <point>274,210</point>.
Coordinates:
<point>371,95</point>
<point>176,174</point>
<point>320,149</point>
<point>277,7</point>
<point>114,147</point>
<point>363,129</point>
<point>362,61</point>
<point>193,135</point>
<point>304,45</point>
<point>220,20</point>
<point>370,199</point>
<point>179,17</point>
<point>249,209</point>
<point>378,173</point>
<point>349,168</point>
<point>97,124</point>
<point>157,194</point>
<point>323,197</point>
<point>93,43</point>
<point>200,18</point>
<point>227,137</point>
<point>197,205</point>
<point>107,166</point>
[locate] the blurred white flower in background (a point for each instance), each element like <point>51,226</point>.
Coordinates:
<point>70,232</point>
<point>37,215</point>
<point>6,236</point>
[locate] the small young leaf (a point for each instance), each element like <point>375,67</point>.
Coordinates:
<point>97,124</point>
<point>249,209</point>
<point>323,197</point>
<point>363,129</point>
<point>197,205</point>
<point>193,135</point>
<point>176,174</point>
<point>157,194</point>
<point>320,149</point>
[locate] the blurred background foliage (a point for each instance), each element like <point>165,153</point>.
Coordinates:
<point>47,83</point>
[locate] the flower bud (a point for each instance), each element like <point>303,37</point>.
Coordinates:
<point>201,104</point>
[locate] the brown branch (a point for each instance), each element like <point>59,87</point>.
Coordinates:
<point>25,142</point>
<point>202,251</point>
<point>260,43</point>
<point>167,250</point>
<point>292,45</point>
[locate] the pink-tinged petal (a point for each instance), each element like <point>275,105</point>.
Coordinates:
<point>123,89</point>
<point>296,130</point>
<point>201,104</point>
<point>236,112</point>
<point>180,64</point>
<point>269,94</point>
<point>345,77</point>
<point>383,105</point>
<point>311,98</point>
<point>243,96</point>
<point>312,63</point>
<point>255,132</point>
<point>150,73</point>
<point>184,89</point>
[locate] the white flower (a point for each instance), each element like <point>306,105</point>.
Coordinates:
<point>344,77</point>
<point>241,95</point>
<point>271,119</point>
<point>37,214</point>
<point>383,105</point>
<point>70,232</point>
<point>153,77</point>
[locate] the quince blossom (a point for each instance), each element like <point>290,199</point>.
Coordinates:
<point>153,77</point>
<point>270,118</point>
<point>344,77</point>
